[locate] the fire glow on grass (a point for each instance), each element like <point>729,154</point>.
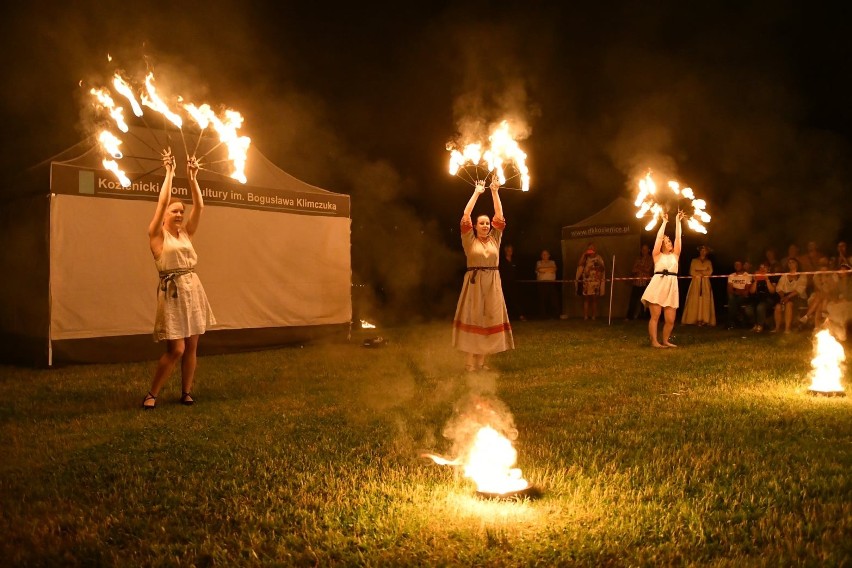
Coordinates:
<point>490,463</point>
<point>827,366</point>
<point>651,200</point>
<point>503,151</point>
<point>226,125</point>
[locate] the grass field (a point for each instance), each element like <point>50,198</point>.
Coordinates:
<point>710,454</point>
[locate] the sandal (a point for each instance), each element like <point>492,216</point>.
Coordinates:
<point>148,397</point>
<point>470,368</point>
<point>186,399</point>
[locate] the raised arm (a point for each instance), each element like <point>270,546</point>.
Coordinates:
<point>658,242</point>
<point>678,230</point>
<point>477,191</point>
<point>155,229</point>
<point>495,195</point>
<point>197,200</point>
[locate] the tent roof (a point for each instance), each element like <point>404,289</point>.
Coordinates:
<point>141,147</point>
<point>620,210</point>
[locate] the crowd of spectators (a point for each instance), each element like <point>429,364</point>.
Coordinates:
<point>797,292</point>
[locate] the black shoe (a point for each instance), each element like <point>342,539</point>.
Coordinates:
<point>148,397</point>
<point>186,399</point>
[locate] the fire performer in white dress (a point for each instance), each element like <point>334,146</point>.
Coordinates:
<point>481,323</point>
<point>183,312</point>
<point>661,295</point>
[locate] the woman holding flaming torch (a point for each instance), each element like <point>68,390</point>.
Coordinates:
<point>661,295</point>
<point>481,323</point>
<point>183,312</point>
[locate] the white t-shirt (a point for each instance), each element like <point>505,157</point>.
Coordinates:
<point>740,281</point>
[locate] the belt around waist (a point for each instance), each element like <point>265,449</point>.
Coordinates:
<point>475,269</point>
<point>167,277</point>
<point>666,273</point>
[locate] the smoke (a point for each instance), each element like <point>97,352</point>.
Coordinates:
<point>478,408</point>
<point>734,101</point>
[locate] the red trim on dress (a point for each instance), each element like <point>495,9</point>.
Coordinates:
<point>475,329</point>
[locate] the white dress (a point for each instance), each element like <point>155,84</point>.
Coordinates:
<point>182,306</point>
<point>481,323</point>
<point>662,289</point>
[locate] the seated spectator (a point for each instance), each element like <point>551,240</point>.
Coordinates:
<point>763,298</point>
<point>843,263</point>
<point>842,259</point>
<point>774,265</point>
<point>739,283</point>
<point>825,288</point>
<point>791,290</point>
<point>811,260</point>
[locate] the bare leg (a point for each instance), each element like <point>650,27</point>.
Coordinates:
<point>668,325</point>
<point>594,306</point>
<point>165,366</point>
<point>470,362</point>
<point>788,316</point>
<point>585,307</point>
<point>480,361</point>
<point>652,323</point>
<point>188,364</point>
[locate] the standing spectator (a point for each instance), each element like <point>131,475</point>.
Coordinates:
<point>791,289</point>
<point>509,278</point>
<point>592,268</point>
<point>548,292</point>
<point>739,283</point>
<point>662,294</point>
<point>700,308</point>
<point>481,323</point>
<point>762,296</point>
<point>643,269</point>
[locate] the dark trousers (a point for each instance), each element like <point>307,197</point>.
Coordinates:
<point>548,299</point>
<point>734,304</point>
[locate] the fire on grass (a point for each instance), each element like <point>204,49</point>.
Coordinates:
<point>488,458</point>
<point>502,158</point>
<point>827,366</point>
<point>200,119</point>
<point>651,200</point>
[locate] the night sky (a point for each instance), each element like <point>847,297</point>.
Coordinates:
<point>747,102</point>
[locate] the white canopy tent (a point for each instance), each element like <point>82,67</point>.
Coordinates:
<point>617,235</point>
<point>274,256</point>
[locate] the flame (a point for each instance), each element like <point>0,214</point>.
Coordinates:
<point>153,101</point>
<point>827,364</point>
<point>237,145</point>
<point>367,325</point>
<point>646,201</point>
<point>124,89</point>
<point>202,115</point>
<point>489,462</point>
<point>110,144</point>
<point>226,126</point>
<point>502,151</point>
<point>106,101</point>
<point>112,166</point>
